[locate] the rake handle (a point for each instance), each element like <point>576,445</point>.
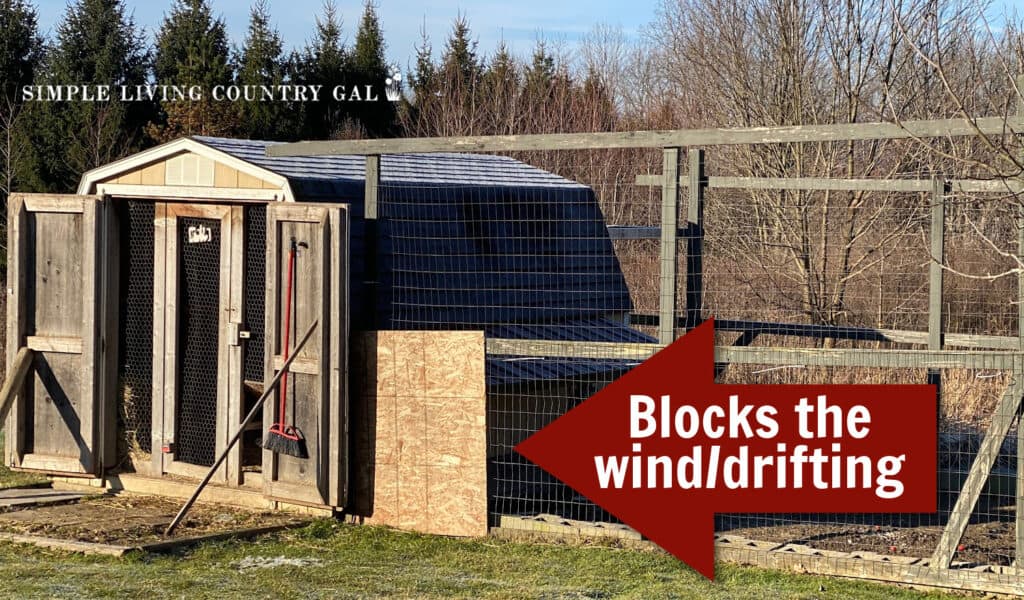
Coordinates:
<point>238,434</point>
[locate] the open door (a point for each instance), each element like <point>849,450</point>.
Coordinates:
<point>57,284</point>
<point>317,398</point>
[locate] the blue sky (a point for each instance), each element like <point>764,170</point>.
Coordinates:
<point>519,23</point>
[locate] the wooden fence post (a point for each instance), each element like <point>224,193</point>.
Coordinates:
<point>371,211</point>
<point>669,245</point>
<point>935,273</point>
<point>1019,546</point>
<point>695,239</point>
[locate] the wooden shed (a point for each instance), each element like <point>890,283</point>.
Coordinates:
<point>151,305</point>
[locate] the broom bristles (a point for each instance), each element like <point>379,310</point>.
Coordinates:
<point>282,444</point>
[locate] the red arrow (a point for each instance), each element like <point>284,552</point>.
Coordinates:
<point>666,466</point>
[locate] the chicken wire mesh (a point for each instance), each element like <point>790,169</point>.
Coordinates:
<point>526,256</point>
<point>254,219</point>
<point>135,343</point>
<point>199,319</point>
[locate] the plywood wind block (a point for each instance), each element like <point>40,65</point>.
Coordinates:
<point>419,424</point>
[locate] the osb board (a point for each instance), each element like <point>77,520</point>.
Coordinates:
<point>184,172</point>
<point>419,422</point>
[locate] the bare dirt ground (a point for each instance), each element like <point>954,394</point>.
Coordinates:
<point>984,543</point>
<point>133,520</point>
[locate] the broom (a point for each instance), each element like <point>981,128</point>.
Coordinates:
<point>282,438</point>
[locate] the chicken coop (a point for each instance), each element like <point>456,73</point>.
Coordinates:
<point>147,312</point>
<point>463,299</point>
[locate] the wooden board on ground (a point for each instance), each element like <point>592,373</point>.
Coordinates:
<point>36,496</point>
<point>803,558</point>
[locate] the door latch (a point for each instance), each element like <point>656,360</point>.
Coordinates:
<point>236,335</point>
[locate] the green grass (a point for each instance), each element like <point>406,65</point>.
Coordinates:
<point>9,478</point>
<point>345,561</point>
<point>364,561</point>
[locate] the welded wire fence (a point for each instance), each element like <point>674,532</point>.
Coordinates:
<point>567,246</point>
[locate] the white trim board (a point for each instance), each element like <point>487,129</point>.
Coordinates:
<point>124,190</point>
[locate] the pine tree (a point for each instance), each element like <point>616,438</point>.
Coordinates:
<point>192,47</point>
<point>423,82</point>
<point>20,53</point>
<point>368,67</point>
<point>324,62</point>
<point>260,63</point>
<point>97,43</point>
<point>541,72</point>
<point>459,90</point>
<point>192,50</point>
<point>460,56</point>
<point>501,83</point>
<point>423,79</point>
<point>20,46</point>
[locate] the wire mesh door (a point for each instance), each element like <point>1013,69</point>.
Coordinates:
<point>197,292</point>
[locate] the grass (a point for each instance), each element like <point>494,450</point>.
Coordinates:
<point>10,479</point>
<point>331,560</point>
<point>328,559</point>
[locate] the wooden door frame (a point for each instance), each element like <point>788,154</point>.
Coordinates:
<point>166,296</point>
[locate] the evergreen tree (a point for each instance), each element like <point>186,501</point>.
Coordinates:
<point>20,46</point>
<point>324,62</point>
<point>192,47</point>
<point>423,78</point>
<point>460,58</point>
<point>501,87</point>
<point>368,67</point>
<point>192,50</point>
<point>20,53</point>
<point>541,71</point>
<point>423,83</point>
<point>260,63</point>
<point>97,43</point>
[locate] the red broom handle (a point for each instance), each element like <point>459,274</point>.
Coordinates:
<point>287,331</point>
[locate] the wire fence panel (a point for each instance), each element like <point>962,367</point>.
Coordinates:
<point>567,246</point>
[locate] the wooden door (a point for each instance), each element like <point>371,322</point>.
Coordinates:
<point>317,382</point>
<point>197,362</point>
<point>59,280</point>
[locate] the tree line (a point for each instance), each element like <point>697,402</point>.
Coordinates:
<point>48,145</point>
<point>700,63</point>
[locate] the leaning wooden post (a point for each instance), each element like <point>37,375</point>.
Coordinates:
<point>371,210</point>
<point>15,378</point>
<point>256,408</point>
<point>695,240</point>
<point>669,245</point>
